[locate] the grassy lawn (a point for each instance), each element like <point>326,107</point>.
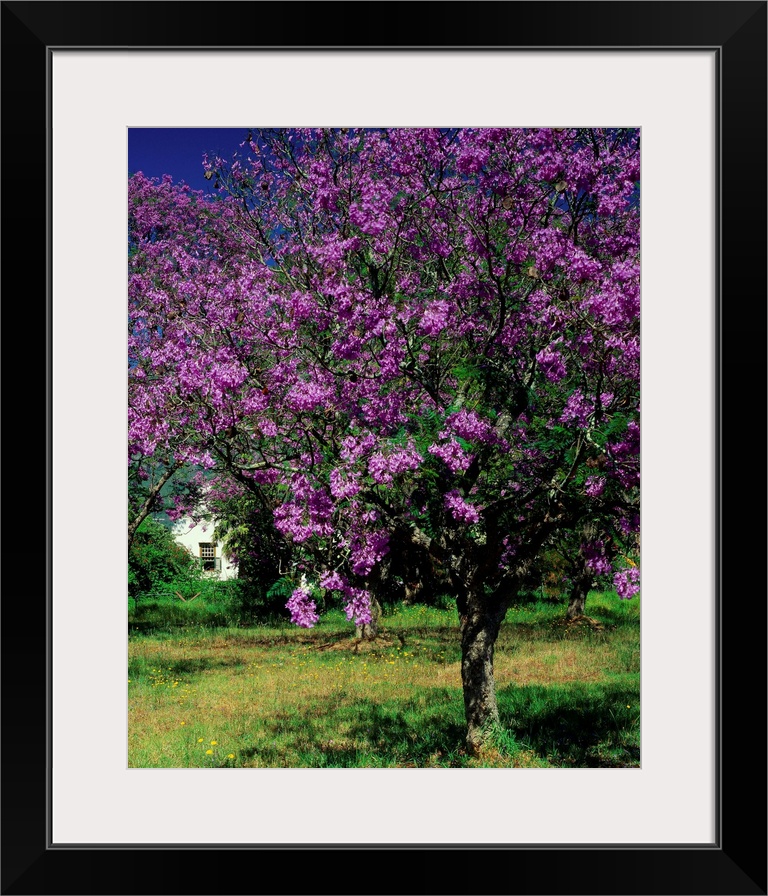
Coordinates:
<point>278,696</point>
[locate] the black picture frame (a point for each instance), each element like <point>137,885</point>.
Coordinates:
<point>736,862</point>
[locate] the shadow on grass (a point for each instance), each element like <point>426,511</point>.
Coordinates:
<point>566,727</point>
<point>187,666</point>
<point>611,616</point>
<point>170,624</point>
<point>362,733</point>
<point>594,727</point>
<point>558,629</point>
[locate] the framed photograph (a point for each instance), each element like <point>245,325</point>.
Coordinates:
<point>691,76</point>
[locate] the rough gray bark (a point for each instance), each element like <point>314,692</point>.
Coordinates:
<point>480,626</point>
<point>411,591</point>
<point>577,598</point>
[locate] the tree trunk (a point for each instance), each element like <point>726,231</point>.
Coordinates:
<point>369,631</point>
<point>479,629</point>
<point>577,599</point>
<point>411,590</point>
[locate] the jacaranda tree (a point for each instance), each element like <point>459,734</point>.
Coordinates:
<point>421,337</point>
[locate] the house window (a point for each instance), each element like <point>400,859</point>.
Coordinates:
<point>207,555</point>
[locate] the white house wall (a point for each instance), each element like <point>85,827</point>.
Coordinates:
<point>191,538</point>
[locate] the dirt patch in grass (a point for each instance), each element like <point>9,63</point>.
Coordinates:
<point>360,645</point>
<point>584,622</point>
<point>540,667</point>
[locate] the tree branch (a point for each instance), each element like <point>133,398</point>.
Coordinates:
<point>145,508</point>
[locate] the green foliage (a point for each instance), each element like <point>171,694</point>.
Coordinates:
<point>280,591</point>
<point>184,605</point>
<point>156,560</point>
<point>191,604</point>
<point>246,527</point>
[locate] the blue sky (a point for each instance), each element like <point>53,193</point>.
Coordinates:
<point>179,151</point>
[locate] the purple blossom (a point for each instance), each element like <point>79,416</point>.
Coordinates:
<point>551,362</point>
<point>595,557</point>
<point>306,514</point>
<point>583,267</point>
<point>302,608</point>
<point>307,396</point>
<point>383,466</point>
<point>332,581</point>
<point>627,582</point>
<point>366,550</point>
<point>357,600</point>
<point>469,426</point>
<point>436,316</point>
<point>472,157</point>
<point>355,447</point>
<point>594,486</point>
<point>358,607</point>
<point>452,454</point>
<point>459,509</point>
<point>629,525</point>
<point>577,409</point>
<point>511,547</point>
<point>343,486</point>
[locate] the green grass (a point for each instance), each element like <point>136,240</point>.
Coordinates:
<point>278,696</point>
<point>211,607</point>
